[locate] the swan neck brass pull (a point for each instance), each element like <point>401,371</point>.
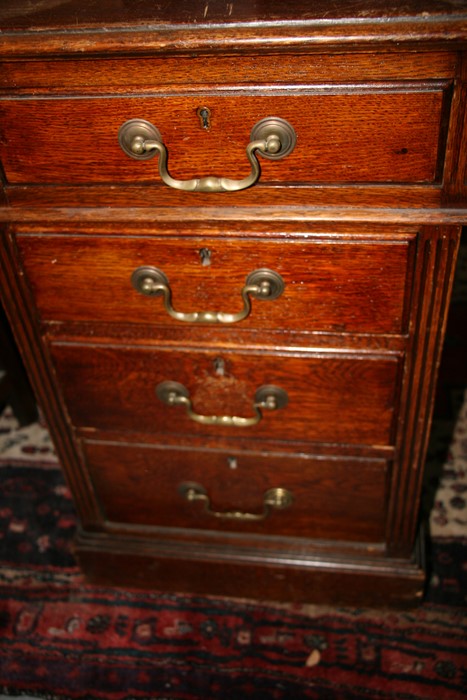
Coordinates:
<point>272,137</point>
<point>277,498</point>
<point>262,284</point>
<point>267,397</point>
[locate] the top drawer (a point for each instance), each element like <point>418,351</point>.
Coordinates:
<point>371,134</point>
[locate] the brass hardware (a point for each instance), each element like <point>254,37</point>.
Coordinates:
<point>204,116</point>
<point>262,284</point>
<point>277,129</point>
<point>219,366</point>
<point>272,137</point>
<point>133,134</point>
<point>267,397</point>
<point>278,498</point>
<point>205,256</point>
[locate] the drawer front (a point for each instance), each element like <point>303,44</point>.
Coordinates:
<point>339,498</point>
<point>331,397</point>
<point>387,135</point>
<point>329,285</point>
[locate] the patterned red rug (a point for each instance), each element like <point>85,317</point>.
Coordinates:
<point>60,638</point>
<point>73,641</point>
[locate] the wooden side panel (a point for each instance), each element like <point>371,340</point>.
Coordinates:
<point>435,272</point>
<point>20,310</point>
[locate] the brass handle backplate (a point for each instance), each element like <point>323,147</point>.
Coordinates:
<point>267,397</point>
<point>277,498</point>
<point>272,137</point>
<point>262,284</point>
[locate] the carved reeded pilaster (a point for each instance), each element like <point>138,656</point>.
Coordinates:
<point>436,255</point>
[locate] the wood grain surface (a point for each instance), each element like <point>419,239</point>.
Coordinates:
<point>168,74</point>
<point>65,28</point>
<point>332,284</point>
<point>113,388</point>
<point>362,220</point>
<point>338,498</point>
<point>54,14</point>
<point>383,136</point>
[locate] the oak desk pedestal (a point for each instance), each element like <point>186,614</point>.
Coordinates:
<point>228,243</point>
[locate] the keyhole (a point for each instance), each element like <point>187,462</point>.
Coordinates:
<point>232,462</point>
<point>219,366</point>
<point>205,256</point>
<point>204,115</point>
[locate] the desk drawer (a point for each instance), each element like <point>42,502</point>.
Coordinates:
<point>330,284</point>
<point>332,498</point>
<point>332,397</point>
<point>367,134</point>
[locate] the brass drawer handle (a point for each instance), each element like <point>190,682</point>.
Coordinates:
<point>273,138</point>
<point>267,397</point>
<point>262,284</point>
<point>278,498</point>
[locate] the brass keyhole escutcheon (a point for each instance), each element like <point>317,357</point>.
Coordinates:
<point>205,256</point>
<point>204,116</point>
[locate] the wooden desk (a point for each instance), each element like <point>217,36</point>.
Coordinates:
<point>229,234</point>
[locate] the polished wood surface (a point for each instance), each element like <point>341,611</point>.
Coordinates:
<point>159,75</point>
<point>334,498</point>
<point>331,284</point>
<point>362,221</point>
<point>340,137</point>
<point>29,28</point>
<point>27,15</point>
<point>108,387</point>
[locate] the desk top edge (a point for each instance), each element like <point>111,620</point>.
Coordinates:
<point>83,27</point>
